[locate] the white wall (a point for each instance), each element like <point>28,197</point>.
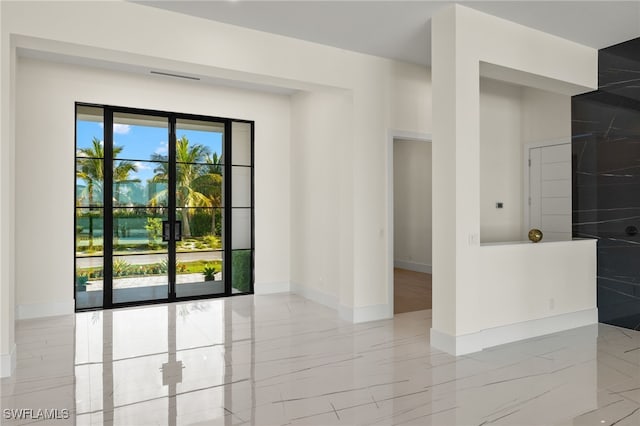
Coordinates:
<point>463,41</point>
<point>410,98</point>
<point>500,161</point>
<point>412,205</point>
<point>321,198</point>
<point>546,116</point>
<point>45,170</point>
<point>382,94</point>
<point>7,202</point>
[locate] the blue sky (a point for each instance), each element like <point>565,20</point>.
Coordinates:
<point>140,142</point>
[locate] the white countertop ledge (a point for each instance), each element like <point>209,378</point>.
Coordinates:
<point>512,243</point>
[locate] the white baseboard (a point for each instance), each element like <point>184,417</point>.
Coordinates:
<point>353,315</point>
<point>365,313</point>
<point>412,266</point>
<point>475,342</point>
<point>271,288</point>
<point>316,296</point>
<point>49,309</point>
<point>8,362</point>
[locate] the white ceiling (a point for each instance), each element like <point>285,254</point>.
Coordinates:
<point>401,29</point>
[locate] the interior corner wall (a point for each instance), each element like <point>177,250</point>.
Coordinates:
<point>46,95</point>
<point>321,196</point>
<point>412,205</point>
<point>500,161</point>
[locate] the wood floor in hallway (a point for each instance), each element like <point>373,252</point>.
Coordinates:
<point>412,291</point>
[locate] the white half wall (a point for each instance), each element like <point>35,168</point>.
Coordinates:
<point>464,42</point>
<point>527,281</point>
<point>412,204</point>
<point>47,92</point>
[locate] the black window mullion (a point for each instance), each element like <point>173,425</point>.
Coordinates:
<point>226,210</point>
<point>253,227</point>
<point>171,188</point>
<point>107,230</point>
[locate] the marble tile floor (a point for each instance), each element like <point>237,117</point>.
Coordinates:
<point>283,360</point>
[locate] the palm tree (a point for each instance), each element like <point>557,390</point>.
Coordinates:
<point>187,170</point>
<point>209,183</point>
<point>90,168</point>
<point>213,164</point>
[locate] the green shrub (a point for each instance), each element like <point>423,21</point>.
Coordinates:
<point>209,272</point>
<point>121,268</point>
<point>200,223</point>
<point>163,266</point>
<point>154,230</point>
<point>212,241</point>
<point>218,213</point>
<point>241,270</point>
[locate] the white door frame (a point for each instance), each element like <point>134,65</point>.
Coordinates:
<point>526,188</point>
<point>391,136</point>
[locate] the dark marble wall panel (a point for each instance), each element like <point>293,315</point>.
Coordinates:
<point>606,180</point>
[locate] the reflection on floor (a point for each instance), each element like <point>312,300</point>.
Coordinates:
<point>280,359</point>
<point>158,290</point>
<point>411,291</point>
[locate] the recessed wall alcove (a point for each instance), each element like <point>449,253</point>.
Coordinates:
<point>525,163</point>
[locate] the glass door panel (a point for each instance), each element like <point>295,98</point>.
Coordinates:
<point>242,208</point>
<point>140,256</point>
<point>199,267</point>
<point>140,266</point>
<point>199,197</point>
<point>89,211</point>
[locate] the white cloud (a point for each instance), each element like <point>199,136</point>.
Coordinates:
<point>142,166</point>
<point>163,149</point>
<point>121,129</point>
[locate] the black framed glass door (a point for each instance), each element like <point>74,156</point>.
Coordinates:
<point>158,209</point>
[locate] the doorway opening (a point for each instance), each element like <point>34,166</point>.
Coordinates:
<point>163,207</point>
<point>411,239</point>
